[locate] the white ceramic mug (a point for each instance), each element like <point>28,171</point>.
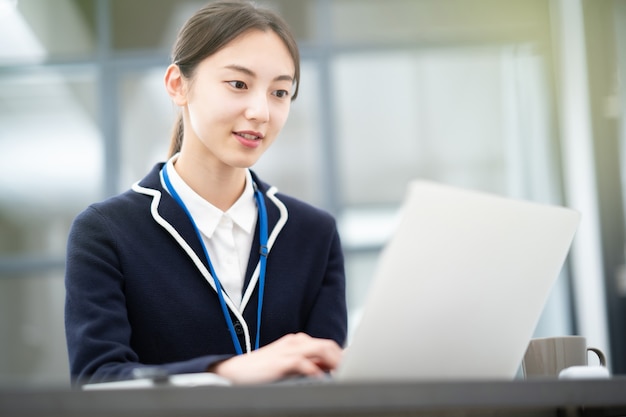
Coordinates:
<point>548,356</point>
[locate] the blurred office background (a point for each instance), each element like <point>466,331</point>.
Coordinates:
<point>522,98</point>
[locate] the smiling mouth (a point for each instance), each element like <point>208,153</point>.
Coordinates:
<point>249,136</point>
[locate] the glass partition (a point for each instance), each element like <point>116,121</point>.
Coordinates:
<point>30,30</point>
<point>134,32</point>
<point>51,159</point>
<point>472,117</point>
<point>32,349</point>
<point>146,121</point>
<point>435,22</point>
<point>50,169</point>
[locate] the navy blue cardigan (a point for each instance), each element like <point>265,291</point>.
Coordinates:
<point>138,291</point>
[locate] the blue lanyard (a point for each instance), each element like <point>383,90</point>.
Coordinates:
<point>218,286</point>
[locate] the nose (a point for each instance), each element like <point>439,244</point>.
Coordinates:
<point>258,108</point>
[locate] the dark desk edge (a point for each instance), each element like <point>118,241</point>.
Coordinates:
<point>609,396</point>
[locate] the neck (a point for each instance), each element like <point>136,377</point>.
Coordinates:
<point>220,187</point>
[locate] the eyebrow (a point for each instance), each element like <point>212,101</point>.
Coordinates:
<point>251,73</point>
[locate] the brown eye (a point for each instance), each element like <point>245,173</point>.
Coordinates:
<point>281,93</point>
<point>239,85</point>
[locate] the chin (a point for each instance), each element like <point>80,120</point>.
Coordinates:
<point>244,163</point>
<point>244,159</point>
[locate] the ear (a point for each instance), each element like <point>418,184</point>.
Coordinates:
<point>175,85</point>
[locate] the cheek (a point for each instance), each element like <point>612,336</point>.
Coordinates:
<point>198,122</point>
<point>204,115</point>
<point>280,115</point>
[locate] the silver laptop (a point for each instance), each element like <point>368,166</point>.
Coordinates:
<point>459,288</point>
<point>457,294</point>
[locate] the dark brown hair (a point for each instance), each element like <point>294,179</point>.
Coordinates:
<point>212,28</point>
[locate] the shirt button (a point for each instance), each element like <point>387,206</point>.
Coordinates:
<point>238,328</point>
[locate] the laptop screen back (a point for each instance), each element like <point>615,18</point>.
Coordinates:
<point>459,288</point>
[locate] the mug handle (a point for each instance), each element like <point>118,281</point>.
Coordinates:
<point>599,353</point>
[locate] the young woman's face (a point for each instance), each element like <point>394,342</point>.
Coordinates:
<point>238,100</point>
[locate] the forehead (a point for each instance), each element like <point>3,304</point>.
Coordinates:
<point>260,51</point>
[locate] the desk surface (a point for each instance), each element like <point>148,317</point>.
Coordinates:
<point>511,398</point>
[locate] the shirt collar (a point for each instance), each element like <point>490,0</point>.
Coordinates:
<point>206,216</point>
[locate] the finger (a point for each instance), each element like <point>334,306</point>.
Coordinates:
<point>325,353</point>
<point>302,366</point>
<point>297,354</point>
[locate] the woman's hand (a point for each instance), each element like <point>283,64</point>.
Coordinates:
<point>293,354</point>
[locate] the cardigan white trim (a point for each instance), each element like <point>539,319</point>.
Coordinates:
<point>271,194</point>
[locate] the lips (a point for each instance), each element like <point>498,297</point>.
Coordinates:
<point>249,139</point>
<point>249,136</point>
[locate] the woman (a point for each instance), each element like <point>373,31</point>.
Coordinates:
<point>201,266</point>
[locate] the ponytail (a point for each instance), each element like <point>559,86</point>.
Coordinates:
<point>177,136</point>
